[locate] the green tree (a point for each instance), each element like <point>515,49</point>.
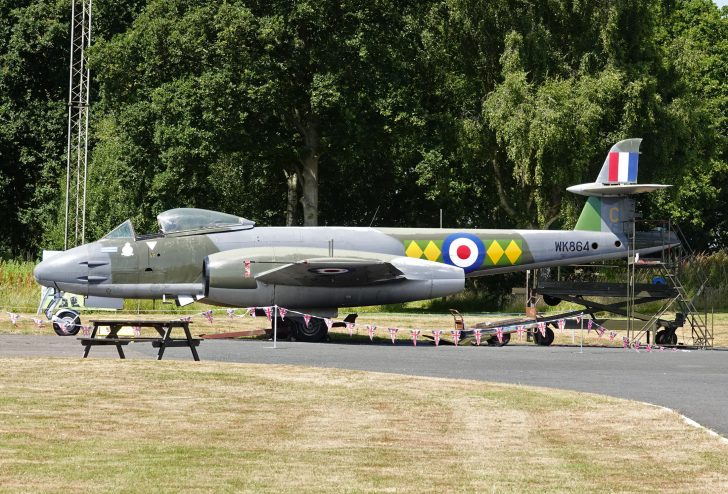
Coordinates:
<point>34,42</point>
<point>197,90</point>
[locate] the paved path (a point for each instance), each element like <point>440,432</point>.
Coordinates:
<point>694,383</point>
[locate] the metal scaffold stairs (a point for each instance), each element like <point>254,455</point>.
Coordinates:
<point>701,332</point>
<point>675,260</point>
<point>683,301</point>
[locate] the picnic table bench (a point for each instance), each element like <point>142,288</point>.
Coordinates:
<point>163,341</point>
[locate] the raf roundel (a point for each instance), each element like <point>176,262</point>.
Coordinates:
<point>330,270</point>
<point>464,251</point>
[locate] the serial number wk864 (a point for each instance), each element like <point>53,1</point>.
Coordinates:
<point>571,246</point>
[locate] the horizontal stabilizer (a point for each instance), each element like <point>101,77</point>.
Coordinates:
<point>331,271</point>
<point>604,190</point>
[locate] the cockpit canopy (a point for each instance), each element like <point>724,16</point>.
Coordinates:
<point>190,219</point>
<point>186,220</point>
<point>125,230</point>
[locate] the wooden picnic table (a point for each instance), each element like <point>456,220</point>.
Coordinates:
<point>163,341</point>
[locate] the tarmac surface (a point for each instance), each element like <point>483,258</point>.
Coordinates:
<point>693,383</point>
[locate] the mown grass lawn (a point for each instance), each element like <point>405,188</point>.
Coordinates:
<point>148,426</point>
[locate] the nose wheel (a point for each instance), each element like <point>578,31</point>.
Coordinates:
<point>66,322</point>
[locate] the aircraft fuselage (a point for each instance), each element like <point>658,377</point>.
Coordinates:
<point>225,268</point>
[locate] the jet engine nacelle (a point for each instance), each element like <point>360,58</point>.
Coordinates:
<point>226,271</point>
<point>230,279</point>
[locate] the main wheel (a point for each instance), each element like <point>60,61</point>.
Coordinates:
<point>66,322</point>
<point>660,337</point>
<point>315,331</point>
<point>493,340</point>
<point>670,338</point>
<point>544,340</point>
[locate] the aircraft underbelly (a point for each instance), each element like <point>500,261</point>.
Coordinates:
<point>293,296</point>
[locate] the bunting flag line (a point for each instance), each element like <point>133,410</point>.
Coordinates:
<point>271,311</point>
<point>437,333</point>
<point>371,330</point>
<point>478,335</point>
<point>415,333</point>
<point>520,330</point>
<point>393,334</point>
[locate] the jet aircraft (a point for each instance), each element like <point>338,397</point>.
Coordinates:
<point>225,260</point>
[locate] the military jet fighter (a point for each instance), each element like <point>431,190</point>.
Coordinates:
<point>226,260</point>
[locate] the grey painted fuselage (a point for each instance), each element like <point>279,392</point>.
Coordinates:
<point>211,266</point>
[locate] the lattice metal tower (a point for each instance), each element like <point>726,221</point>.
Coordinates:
<point>78,110</point>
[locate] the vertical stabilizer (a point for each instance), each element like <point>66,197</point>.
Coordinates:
<point>611,204</point>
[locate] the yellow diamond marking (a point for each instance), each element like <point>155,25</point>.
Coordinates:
<point>495,252</point>
<point>432,252</point>
<point>513,252</point>
<point>413,250</point>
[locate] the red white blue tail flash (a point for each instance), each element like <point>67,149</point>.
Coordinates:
<point>623,167</point>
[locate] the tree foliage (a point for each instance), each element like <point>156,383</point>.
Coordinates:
<point>321,112</point>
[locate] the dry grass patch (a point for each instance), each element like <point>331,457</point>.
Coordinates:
<point>104,425</point>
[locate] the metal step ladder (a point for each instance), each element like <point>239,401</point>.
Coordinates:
<point>672,261</point>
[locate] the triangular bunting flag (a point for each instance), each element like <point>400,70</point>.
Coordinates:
<point>478,336</point>
<point>437,333</point>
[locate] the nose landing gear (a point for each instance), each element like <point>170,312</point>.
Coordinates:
<point>66,322</point>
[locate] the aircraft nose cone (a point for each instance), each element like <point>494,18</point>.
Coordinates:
<point>63,267</point>
<point>42,273</point>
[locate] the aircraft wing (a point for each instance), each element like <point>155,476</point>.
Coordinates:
<point>331,271</point>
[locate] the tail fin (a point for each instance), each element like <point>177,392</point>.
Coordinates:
<point>610,206</point>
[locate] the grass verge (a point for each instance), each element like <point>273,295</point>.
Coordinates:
<point>133,426</point>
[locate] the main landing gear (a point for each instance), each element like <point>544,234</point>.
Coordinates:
<point>296,327</point>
